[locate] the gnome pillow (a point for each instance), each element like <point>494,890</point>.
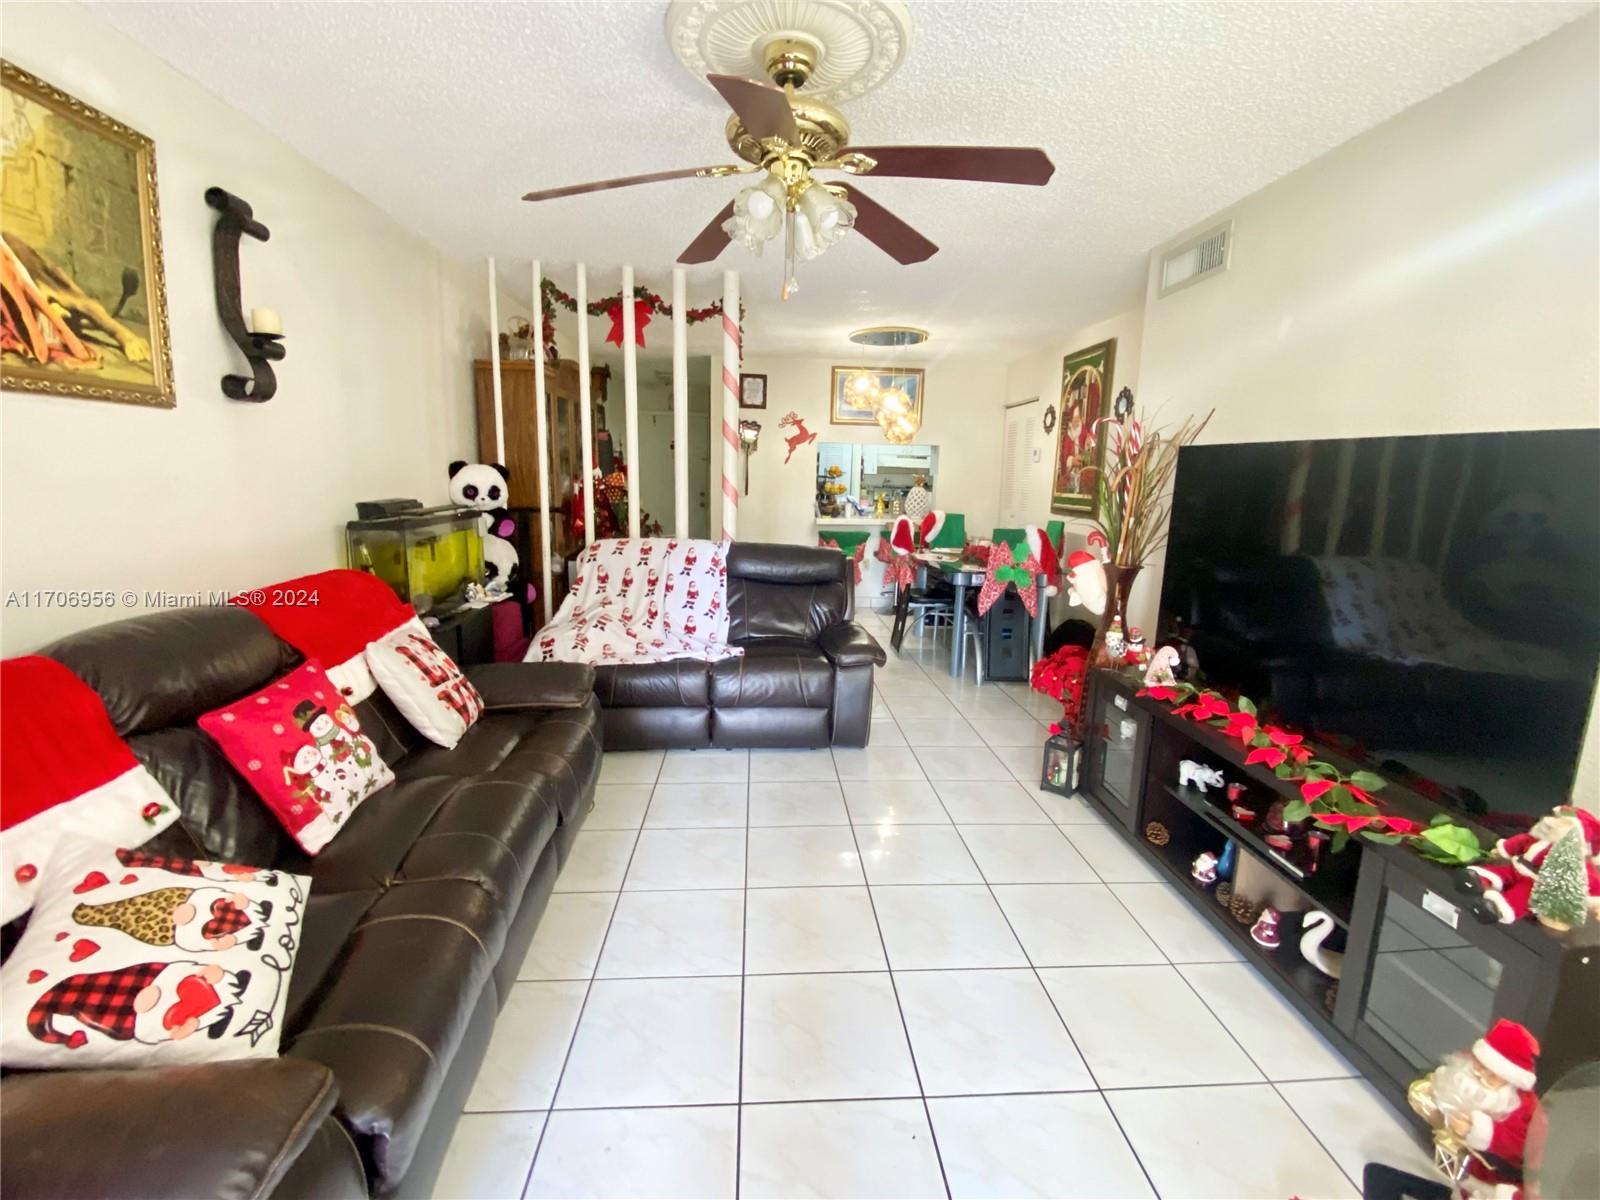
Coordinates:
<point>133,960</point>
<point>425,684</point>
<point>301,748</point>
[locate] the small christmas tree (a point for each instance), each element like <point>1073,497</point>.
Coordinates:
<point>1560,893</point>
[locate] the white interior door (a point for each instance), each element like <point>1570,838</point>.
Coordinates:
<point>1021,464</point>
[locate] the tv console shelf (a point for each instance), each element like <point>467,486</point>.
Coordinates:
<point>1421,976</point>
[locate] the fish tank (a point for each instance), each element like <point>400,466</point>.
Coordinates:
<point>427,555</point>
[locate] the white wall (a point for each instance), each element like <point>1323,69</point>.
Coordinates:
<point>374,398</point>
<point>962,415</point>
<point>1436,274</point>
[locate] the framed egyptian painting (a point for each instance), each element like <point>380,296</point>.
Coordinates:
<point>85,301</point>
<point>1085,392</point>
<point>853,406</point>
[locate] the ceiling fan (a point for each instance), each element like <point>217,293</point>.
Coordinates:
<point>789,136</point>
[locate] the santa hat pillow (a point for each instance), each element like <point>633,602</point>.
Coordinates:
<point>425,684</point>
<point>332,616</point>
<point>64,774</point>
<point>131,960</point>
<point>301,748</point>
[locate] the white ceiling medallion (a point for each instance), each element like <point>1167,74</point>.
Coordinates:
<point>858,43</point>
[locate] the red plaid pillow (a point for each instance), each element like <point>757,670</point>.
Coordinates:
<point>425,684</point>
<point>301,747</point>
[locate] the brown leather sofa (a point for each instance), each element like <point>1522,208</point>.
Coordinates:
<point>804,679</point>
<point>419,915</point>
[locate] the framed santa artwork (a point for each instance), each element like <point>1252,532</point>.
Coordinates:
<point>1085,393</point>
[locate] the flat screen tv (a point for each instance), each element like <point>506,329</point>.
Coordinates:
<point>1427,606</point>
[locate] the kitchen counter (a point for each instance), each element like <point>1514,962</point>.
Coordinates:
<point>852,522</point>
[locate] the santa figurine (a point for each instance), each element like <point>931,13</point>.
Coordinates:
<point>1482,1099</point>
<point>1086,581</point>
<point>1504,884</point>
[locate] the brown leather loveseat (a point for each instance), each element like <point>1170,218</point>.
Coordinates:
<point>804,679</point>
<point>420,913</point>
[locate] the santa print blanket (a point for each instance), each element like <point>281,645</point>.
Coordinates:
<point>642,601</point>
<point>332,616</point>
<point>64,775</point>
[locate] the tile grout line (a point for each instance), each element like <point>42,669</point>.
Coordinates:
<point>744,963</point>
<point>905,1028</point>
<point>572,1041</point>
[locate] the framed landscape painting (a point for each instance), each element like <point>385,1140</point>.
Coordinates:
<point>1085,392</point>
<point>845,411</point>
<point>85,304</point>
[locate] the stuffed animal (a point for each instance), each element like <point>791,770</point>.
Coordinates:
<point>1086,581</point>
<point>1505,883</point>
<point>484,486</point>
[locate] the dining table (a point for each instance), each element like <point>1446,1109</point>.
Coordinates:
<point>963,577</point>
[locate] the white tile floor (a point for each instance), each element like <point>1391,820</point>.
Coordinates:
<point>899,971</point>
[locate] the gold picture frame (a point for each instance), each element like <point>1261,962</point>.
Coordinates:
<point>842,412</point>
<point>80,251</point>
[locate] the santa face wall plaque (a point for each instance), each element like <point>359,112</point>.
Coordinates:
<point>1080,452</point>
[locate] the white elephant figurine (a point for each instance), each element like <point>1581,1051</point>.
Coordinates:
<point>1192,774</point>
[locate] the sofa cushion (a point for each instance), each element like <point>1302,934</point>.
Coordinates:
<point>785,591</point>
<point>775,672</point>
<point>166,668</point>
<point>680,683</point>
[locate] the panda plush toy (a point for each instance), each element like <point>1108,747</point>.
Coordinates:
<point>484,486</point>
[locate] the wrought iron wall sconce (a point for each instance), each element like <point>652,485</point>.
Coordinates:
<point>260,348</point>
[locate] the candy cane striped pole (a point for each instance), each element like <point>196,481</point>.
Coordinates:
<point>730,403</point>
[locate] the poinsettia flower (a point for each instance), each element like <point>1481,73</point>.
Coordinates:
<point>1350,821</point>
<point>1360,795</point>
<point>1311,789</point>
<point>1282,737</point>
<point>1270,755</point>
<point>1241,725</point>
<point>1159,692</point>
<point>1207,706</point>
<point>1402,825</point>
<point>1300,754</point>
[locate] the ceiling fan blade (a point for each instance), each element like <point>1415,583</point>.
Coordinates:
<point>986,164</point>
<point>881,227</point>
<point>764,109</point>
<point>606,185</point>
<point>711,241</point>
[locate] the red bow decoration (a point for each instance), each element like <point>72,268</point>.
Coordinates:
<point>641,318</point>
<point>854,556</point>
<point>1002,573</point>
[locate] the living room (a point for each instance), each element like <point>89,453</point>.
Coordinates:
<point>891,858</point>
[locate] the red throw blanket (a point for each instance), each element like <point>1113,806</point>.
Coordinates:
<point>332,616</point>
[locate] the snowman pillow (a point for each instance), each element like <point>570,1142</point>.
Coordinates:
<point>301,748</point>
<point>132,960</point>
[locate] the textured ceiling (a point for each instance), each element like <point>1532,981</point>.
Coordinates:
<point>1156,115</point>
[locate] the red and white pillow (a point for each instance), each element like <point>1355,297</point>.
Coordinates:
<point>64,774</point>
<point>425,684</point>
<point>132,960</point>
<point>300,746</point>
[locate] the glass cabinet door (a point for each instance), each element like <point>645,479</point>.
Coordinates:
<point>1119,761</point>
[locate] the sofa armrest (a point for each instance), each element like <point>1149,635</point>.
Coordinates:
<point>228,1130</point>
<point>532,685</point>
<point>849,645</point>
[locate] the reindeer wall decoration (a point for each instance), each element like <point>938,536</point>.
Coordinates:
<point>800,437</point>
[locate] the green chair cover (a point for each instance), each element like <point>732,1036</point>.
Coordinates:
<point>1054,531</point>
<point>952,534</point>
<point>847,539</point>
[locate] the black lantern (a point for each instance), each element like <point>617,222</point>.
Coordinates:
<point>1063,758</point>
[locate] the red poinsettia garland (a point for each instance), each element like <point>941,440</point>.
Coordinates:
<point>1334,800</point>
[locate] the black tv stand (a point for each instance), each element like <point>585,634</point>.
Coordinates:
<point>1421,976</point>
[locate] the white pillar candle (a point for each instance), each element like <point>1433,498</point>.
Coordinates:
<point>585,420</point>
<point>680,405</point>
<point>630,399</point>
<point>494,366</point>
<point>730,404</point>
<point>266,320</point>
<point>541,424</point>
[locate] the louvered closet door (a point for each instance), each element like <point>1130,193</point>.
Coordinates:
<point>1021,500</point>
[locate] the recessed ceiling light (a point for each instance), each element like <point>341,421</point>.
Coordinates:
<point>889,335</point>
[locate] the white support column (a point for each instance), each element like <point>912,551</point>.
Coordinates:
<point>680,406</point>
<point>494,367</point>
<point>730,403</point>
<point>630,398</point>
<point>585,420</point>
<point>541,422</point>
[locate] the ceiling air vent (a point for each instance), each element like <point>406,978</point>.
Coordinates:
<point>1197,259</point>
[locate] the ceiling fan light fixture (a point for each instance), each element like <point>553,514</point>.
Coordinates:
<point>758,214</point>
<point>830,216</point>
